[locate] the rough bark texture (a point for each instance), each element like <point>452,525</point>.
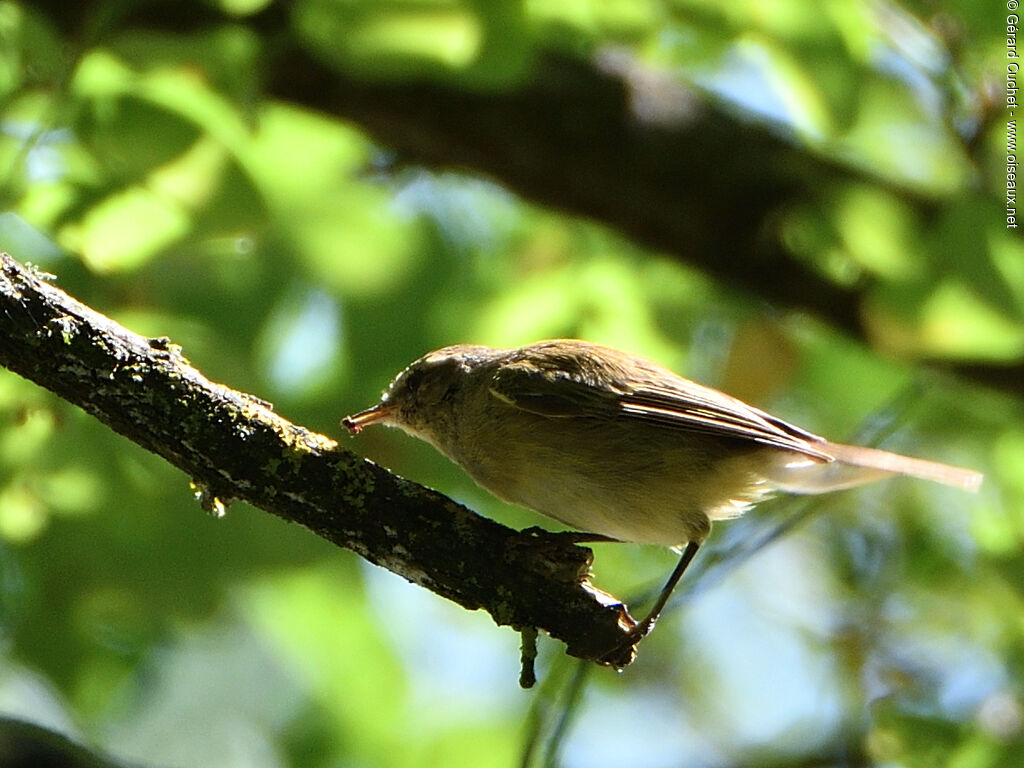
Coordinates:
<point>233,446</point>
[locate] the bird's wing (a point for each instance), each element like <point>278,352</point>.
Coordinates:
<point>673,403</point>
<point>688,405</point>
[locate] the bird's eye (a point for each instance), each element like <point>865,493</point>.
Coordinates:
<point>413,380</point>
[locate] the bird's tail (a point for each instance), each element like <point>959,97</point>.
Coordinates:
<point>855,465</point>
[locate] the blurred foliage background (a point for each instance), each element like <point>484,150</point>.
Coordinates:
<point>152,159</point>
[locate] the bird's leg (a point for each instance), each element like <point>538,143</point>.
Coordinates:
<point>645,626</point>
<point>624,653</point>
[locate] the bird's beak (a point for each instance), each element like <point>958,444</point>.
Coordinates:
<point>378,414</point>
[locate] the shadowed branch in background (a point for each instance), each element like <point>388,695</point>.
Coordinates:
<point>608,138</point>
<point>234,447</point>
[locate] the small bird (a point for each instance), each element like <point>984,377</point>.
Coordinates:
<point>618,446</point>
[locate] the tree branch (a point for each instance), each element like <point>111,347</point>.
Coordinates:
<point>702,186</point>
<point>233,446</point>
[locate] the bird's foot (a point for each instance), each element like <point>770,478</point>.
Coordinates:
<point>572,537</point>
